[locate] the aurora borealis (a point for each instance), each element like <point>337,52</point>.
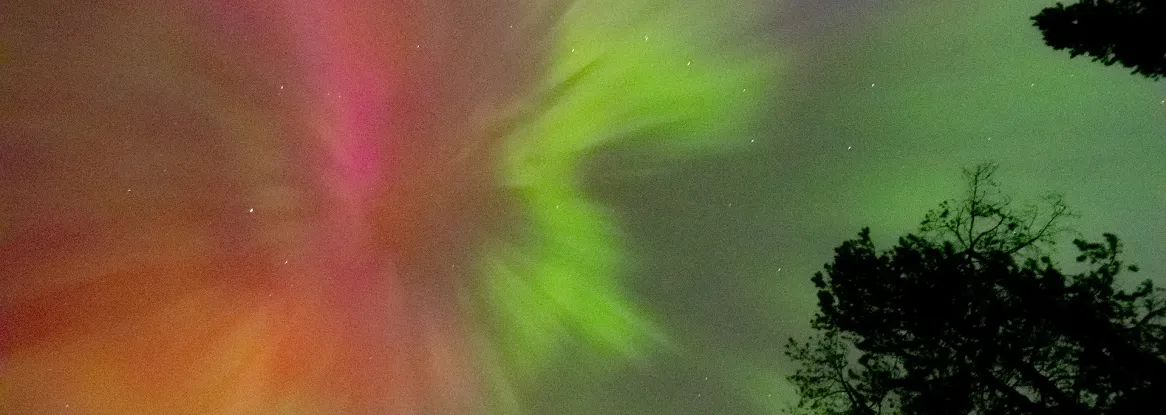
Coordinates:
<point>501,207</point>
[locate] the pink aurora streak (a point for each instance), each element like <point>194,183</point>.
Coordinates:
<point>399,353</point>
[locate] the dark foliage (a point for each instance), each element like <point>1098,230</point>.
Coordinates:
<point>970,317</point>
<point>1129,32</point>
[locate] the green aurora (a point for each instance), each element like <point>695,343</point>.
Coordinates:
<point>640,75</point>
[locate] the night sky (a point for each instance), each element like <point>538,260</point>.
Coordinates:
<point>503,206</point>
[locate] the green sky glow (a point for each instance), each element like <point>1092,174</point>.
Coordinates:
<point>870,124</point>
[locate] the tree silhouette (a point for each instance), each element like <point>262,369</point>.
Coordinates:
<point>1129,32</point>
<point>970,316</point>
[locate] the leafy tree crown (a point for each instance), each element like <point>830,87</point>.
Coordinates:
<point>970,317</point>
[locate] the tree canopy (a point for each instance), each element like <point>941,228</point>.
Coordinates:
<point>971,316</point>
<point>1129,32</point>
